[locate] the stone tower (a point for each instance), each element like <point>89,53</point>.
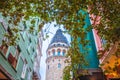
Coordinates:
<point>56,52</point>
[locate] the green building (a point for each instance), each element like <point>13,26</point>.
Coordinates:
<point>94,72</point>
<point>17,62</point>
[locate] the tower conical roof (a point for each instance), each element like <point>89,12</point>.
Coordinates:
<point>59,37</point>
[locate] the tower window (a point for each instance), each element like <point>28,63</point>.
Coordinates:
<point>54,45</point>
<point>58,44</point>
<point>58,52</point>
<point>48,66</point>
<point>53,51</point>
<point>59,65</point>
<point>63,53</point>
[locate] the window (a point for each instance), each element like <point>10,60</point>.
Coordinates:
<point>3,49</point>
<point>48,66</point>
<point>24,69</point>
<point>54,45</point>
<point>58,44</point>
<point>29,74</point>
<point>18,50</point>
<point>59,65</point>
<point>58,52</point>
<point>12,60</point>
<point>53,51</point>
<point>63,53</point>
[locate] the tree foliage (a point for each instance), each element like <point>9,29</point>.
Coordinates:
<point>65,12</point>
<point>109,26</point>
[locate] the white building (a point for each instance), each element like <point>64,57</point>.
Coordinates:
<point>36,73</point>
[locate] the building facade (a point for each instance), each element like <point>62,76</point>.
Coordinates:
<point>16,62</point>
<point>56,52</point>
<point>36,73</point>
<point>109,61</point>
<point>94,72</point>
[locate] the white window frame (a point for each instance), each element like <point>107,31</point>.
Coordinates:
<point>24,69</point>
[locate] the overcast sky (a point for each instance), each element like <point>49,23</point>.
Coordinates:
<point>51,30</point>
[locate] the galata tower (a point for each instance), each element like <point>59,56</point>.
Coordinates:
<point>55,62</point>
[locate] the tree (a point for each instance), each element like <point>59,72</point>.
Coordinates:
<point>65,12</point>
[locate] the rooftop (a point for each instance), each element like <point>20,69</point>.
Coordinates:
<point>59,37</point>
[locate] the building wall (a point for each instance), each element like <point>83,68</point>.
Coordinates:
<point>25,50</point>
<point>53,71</point>
<point>36,73</point>
<point>91,57</point>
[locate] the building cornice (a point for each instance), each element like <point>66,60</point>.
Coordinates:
<point>55,57</point>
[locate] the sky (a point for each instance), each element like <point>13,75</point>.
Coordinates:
<point>51,30</point>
